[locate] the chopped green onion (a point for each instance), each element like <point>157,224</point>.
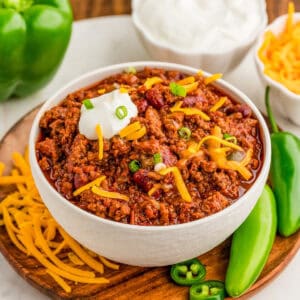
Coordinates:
<point>157,158</point>
<point>134,165</point>
<point>130,70</point>
<point>184,132</point>
<point>230,138</point>
<point>88,104</point>
<point>177,90</point>
<point>121,112</point>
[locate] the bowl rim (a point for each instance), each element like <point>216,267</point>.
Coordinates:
<point>276,22</point>
<point>246,43</point>
<point>76,84</point>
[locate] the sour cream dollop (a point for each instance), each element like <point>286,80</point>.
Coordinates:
<point>104,114</point>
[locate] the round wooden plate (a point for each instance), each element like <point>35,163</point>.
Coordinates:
<point>129,282</point>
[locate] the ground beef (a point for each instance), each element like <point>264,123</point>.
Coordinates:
<point>69,160</point>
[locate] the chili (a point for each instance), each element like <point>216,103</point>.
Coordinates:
<point>188,272</point>
<point>207,290</point>
<point>285,175</point>
<point>251,245</point>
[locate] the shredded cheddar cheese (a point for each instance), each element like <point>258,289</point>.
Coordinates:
<point>154,189</point>
<point>182,189</point>
<point>191,87</point>
<point>100,139</point>
<point>220,140</point>
<point>219,154</point>
<point>137,134</point>
<point>130,129</point>
<point>212,78</point>
<point>133,131</point>
<point>88,186</point>
<point>219,104</point>
<point>33,231</point>
<point>151,81</point>
<point>186,80</point>
<point>101,91</point>
<point>281,54</point>
<point>189,111</point>
<point>107,194</point>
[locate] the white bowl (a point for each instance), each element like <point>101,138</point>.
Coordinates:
<point>212,61</point>
<point>286,102</point>
<point>146,245</point>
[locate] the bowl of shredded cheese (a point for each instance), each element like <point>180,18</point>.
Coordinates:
<point>277,57</point>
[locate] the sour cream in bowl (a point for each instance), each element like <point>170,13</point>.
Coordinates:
<point>213,35</point>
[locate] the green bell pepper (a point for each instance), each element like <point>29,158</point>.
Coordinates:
<point>251,245</point>
<point>285,175</point>
<point>34,35</point>
<point>188,272</point>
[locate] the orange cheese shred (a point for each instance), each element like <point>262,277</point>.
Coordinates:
<point>212,78</point>
<point>191,87</point>
<point>101,91</point>
<point>151,81</point>
<point>189,111</point>
<point>107,194</point>
<point>88,186</point>
<point>100,139</point>
<point>182,189</point>
<point>186,80</point>
<point>130,129</point>
<point>137,134</point>
<point>219,104</point>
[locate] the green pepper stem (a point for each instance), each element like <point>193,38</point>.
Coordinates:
<point>18,5</point>
<point>274,126</point>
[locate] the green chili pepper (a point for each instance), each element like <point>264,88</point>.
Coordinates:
<point>157,158</point>
<point>134,165</point>
<point>251,245</point>
<point>88,104</point>
<point>34,36</point>
<point>208,290</point>
<point>188,272</point>
<point>184,132</point>
<point>177,90</point>
<point>285,175</point>
<point>230,138</point>
<point>121,112</point>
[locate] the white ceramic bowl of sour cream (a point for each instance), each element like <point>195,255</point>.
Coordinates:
<point>147,245</point>
<point>210,35</point>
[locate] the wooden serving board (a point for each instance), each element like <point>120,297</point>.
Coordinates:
<point>129,283</point>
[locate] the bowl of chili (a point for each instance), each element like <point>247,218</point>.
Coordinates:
<point>173,183</point>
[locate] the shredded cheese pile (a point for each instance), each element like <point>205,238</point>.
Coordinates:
<point>281,54</point>
<point>33,231</point>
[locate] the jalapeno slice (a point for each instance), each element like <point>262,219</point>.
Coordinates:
<point>208,290</point>
<point>188,272</point>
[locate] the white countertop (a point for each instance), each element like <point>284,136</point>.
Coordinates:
<point>109,40</point>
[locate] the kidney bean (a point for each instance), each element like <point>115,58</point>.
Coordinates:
<point>142,180</point>
<point>169,158</point>
<point>142,105</point>
<point>192,100</point>
<point>245,110</point>
<point>155,98</point>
